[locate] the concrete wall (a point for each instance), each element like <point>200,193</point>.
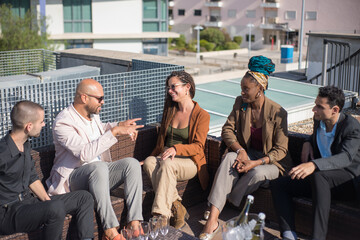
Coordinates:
<point>131,45</point>
<point>108,17</point>
<point>54,15</point>
<point>113,17</point>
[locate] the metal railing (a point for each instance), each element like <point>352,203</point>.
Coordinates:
<point>339,67</point>
<point>139,93</point>
<point>27,61</point>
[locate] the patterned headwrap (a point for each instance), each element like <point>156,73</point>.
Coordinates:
<point>260,68</point>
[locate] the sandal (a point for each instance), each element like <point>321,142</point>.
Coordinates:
<point>209,236</point>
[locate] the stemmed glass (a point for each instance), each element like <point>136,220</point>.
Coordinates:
<point>135,232</point>
<point>164,225</point>
<point>144,231</point>
<point>154,227</point>
<point>126,233</point>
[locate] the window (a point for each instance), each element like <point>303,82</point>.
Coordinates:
<point>150,9</point>
<point>18,7</point>
<point>310,15</point>
<point>271,13</point>
<point>79,43</point>
<point>252,37</point>
<point>251,13</point>
<point>155,14</point>
<point>290,15</point>
<point>150,26</point>
<point>164,10</point>
<point>181,12</point>
<point>231,13</point>
<point>155,46</point>
<point>197,12</point>
<point>77,16</point>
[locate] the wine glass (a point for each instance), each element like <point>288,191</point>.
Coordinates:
<point>154,227</point>
<point>144,231</point>
<point>126,233</point>
<point>164,225</point>
<point>136,232</point>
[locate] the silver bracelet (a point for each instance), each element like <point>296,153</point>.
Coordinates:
<point>240,149</point>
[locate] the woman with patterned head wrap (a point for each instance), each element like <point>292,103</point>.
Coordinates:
<point>256,136</point>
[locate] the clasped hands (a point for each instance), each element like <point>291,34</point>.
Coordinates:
<point>128,127</point>
<point>242,163</point>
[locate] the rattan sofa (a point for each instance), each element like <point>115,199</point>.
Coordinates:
<point>344,219</point>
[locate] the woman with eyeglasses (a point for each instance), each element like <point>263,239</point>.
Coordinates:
<point>179,153</point>
<point>255,134</point>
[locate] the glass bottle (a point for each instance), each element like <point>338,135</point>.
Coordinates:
<point>243,216</point>
<point>258,231</point>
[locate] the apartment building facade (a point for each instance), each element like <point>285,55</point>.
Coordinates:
<point>139,26</point>
<point>271,21</point>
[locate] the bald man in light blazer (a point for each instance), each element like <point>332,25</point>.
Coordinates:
<point>83,160</point>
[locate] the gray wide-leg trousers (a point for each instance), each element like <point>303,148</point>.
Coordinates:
<point>101,177</point>
<point>231,185</point>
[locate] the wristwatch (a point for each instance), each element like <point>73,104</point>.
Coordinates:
<point>240,149</point>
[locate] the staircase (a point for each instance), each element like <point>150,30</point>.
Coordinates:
<point>339,67</point>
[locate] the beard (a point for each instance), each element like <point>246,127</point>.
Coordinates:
<point>93,110</point>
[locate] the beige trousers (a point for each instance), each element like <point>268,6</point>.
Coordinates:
<point>164,175</point>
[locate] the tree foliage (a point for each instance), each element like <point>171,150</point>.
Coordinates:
<point>231,46</point>
<point>213,35</point>
<point>19,33</point>
<point>180,42</point>
<point>238,39</point>
<point>226,35</point>
<point>208,46</point>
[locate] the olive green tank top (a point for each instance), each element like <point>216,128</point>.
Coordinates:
<point>177,136</point>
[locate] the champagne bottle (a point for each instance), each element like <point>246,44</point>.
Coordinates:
<point>243,216</point>
<point>258,231</point>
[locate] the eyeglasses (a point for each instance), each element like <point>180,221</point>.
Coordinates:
<point>173,86</point>
<point>100,99</point>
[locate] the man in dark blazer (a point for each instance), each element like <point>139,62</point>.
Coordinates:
<point>330,167</point>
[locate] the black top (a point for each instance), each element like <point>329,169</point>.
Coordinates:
<point>17,170</point>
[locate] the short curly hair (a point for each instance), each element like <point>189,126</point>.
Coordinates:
<point>334,95</point>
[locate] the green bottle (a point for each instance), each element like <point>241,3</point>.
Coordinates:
<point>258,231</point>
<point>243,216</point>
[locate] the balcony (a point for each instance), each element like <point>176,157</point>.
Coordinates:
<point>270,4</point>
<point>213,21</point>
<point>213,3</point>
<point>273,24</point>
<point>269,22</point>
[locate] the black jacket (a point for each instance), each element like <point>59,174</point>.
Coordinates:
<point>345,148</point>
